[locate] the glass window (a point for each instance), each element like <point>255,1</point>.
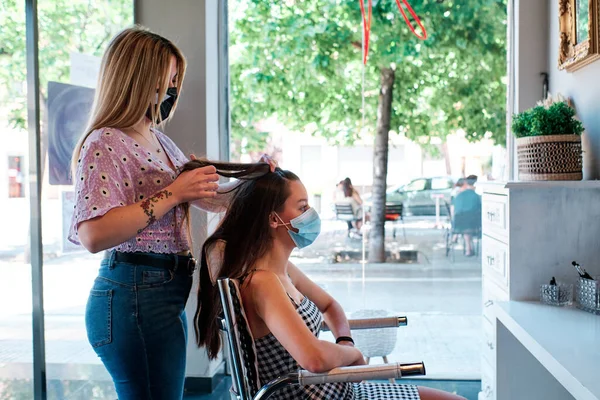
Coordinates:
<point>277,91</point>
<point>416,185</point>
<point>16,187</point>
<point>69,58</point>
<point>16,342</point>
<point>440,184</point>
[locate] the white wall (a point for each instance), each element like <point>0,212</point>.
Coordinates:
<point>527,47</point>
<point>531,50</point>
<point>583,86</point>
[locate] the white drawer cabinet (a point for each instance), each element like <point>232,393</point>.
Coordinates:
<point>488,382</point>
<point>495,278</point>
<point>494,214</point>
<point>488,342</point>
<point>494,257</point>
<point>491,294</point>
<point>531,231</point>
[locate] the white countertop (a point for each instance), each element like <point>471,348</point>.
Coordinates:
<point>565,340</point>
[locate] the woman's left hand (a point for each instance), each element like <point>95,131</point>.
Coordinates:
<point>269,160</point>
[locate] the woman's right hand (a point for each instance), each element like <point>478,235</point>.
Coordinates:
<point>196,184</point>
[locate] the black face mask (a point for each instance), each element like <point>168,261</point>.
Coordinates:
<point>165,106</point>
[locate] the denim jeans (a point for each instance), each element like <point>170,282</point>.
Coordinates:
<point>135,321</point>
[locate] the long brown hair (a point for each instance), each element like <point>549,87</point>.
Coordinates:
<point>226,170</point>
<point>347,187</point>
<point>134,64</point>
<point>246,231</point>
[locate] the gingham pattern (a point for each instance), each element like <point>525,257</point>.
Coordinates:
<point>369,391</point>
<point>274,361</point>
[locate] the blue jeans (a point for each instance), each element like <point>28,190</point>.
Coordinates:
<point>135,320</point>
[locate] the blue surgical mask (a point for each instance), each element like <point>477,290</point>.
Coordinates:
<point>308,225</point>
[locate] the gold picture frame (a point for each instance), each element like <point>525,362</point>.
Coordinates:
<point>579,33</point>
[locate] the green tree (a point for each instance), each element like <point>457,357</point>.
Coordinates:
<point>65,26</point>
<point>300,61</point>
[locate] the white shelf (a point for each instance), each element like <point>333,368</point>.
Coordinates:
<point>565,340</point>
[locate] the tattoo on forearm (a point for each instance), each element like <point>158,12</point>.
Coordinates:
<point>148,206</point>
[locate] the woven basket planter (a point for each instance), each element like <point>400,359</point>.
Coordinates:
<point>550,158</point>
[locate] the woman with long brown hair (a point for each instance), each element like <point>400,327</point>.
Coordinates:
<point>268,217</point>
<point>130,201</point>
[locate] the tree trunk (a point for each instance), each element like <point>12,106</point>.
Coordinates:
<point>380,163</point>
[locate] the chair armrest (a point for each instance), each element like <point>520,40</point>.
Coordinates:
<point>361,373</point>
<point>342,374</point>
<point>372,323</point>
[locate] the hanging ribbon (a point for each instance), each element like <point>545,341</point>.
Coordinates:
<point>366,27</point>
<point>367,18</point>
<point>412,12</point>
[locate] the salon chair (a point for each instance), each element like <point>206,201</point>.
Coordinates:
<point>247,384</point>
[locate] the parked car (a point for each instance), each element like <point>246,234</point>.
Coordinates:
<point>419,195</point>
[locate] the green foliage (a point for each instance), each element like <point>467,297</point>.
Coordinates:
<point>557,119</point>
<point>301,62</point>
<point>65,26</point>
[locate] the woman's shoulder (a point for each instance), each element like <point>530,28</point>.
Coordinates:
<point>262,282</point>
<point>259,278</point>
<point>467,195</point>
<point>104,136</point>
<point>263,290</point>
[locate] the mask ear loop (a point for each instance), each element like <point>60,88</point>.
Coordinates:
<point>282,223</point>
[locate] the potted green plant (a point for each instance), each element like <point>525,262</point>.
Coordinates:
<point>549,142</point>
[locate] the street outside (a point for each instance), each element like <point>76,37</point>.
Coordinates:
<point>441,296</point>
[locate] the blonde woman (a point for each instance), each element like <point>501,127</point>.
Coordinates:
<point>130,201</point>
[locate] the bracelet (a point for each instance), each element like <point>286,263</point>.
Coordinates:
<point>344,339</point>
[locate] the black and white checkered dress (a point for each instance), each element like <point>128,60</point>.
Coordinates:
<point>274,361</point>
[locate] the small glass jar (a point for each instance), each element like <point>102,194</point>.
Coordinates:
<point>557,295</point>
<point>588,295</point>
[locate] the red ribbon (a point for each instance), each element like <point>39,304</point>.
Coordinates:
<point>367,23</point>
<point>366,27</point>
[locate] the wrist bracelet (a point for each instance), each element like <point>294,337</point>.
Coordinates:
<point>344,339</point>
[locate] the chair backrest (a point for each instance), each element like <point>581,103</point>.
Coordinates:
<point>393,211</point>
<point>375,342</point>
<point>244,366</point>
<point>343,209</point>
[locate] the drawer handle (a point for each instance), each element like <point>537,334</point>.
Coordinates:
<point>491,216</point>
<point>491,260</point>
<point>488,390</point>
<point>490,345</point>
<point>488,303</point>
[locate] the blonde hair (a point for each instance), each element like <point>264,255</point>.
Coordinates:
<point>134,64</point>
